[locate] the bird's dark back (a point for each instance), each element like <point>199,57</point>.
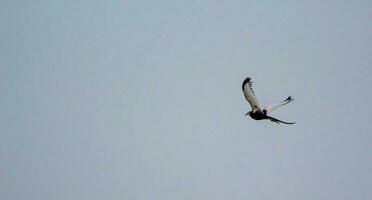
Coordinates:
<point>258,115</point>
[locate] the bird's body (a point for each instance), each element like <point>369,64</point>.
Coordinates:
<point>257,113</point>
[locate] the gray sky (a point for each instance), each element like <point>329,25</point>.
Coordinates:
<point>142,100</point>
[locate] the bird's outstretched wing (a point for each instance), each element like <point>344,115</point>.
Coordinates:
<point>249,94</point>
<point>271,108</point>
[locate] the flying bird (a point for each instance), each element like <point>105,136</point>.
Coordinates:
<point>257,112</point>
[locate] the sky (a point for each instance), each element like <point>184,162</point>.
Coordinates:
<point>142,100</point>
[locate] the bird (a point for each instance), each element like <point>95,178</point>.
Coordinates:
<point>257,112</point>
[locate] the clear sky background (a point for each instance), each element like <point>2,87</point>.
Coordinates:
<point>142,100</point>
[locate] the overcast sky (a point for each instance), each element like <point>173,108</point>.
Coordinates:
<point>142,100</point>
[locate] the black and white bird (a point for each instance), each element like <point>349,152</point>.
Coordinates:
<point>257,113</point>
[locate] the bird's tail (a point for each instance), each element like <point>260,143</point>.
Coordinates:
<point>279,121</point>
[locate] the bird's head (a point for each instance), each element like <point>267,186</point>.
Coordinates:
<point>248,113</point>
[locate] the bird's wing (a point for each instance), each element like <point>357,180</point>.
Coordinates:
<point>249,94</point>
<point>272,107</point>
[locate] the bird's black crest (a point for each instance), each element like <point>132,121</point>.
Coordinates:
<point>247,80</point>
